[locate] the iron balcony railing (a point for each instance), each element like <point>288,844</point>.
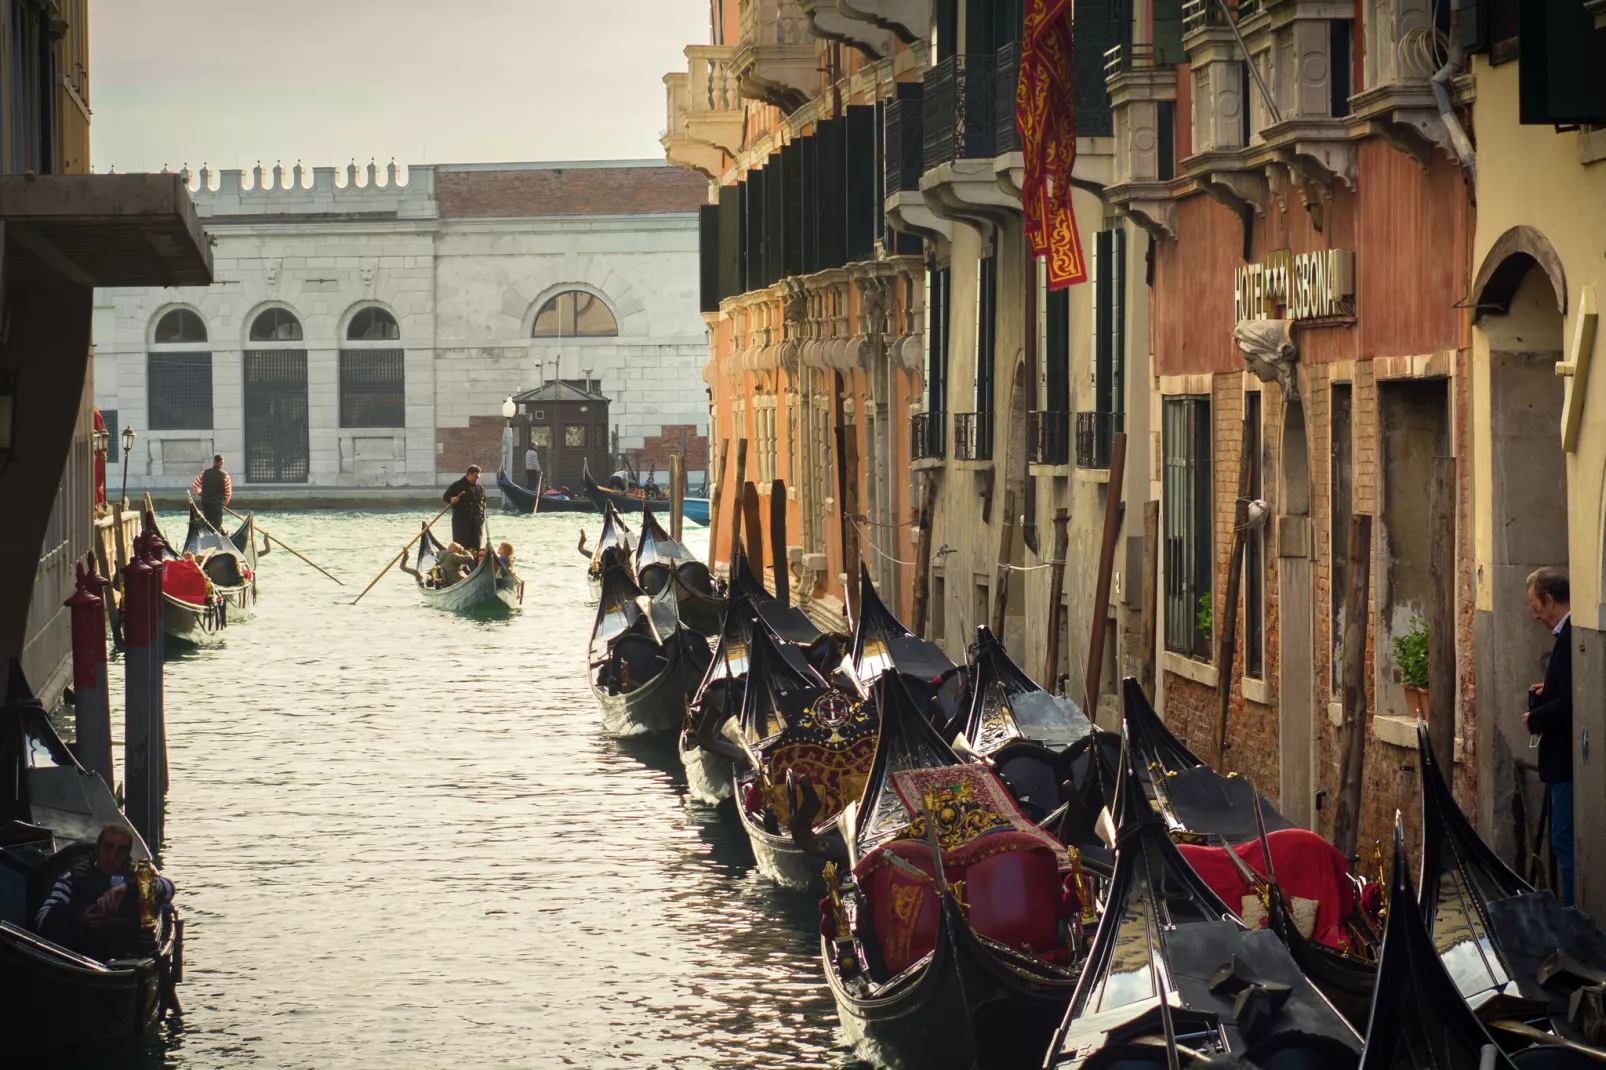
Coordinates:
<point>1006,75</point>
<point>927,435</point>
<point>958,114</point>
<point>904,146</point>
<point>1094,433</point>
<point>973,436</point>
<point>1197,14</point>
<point>1127,57</point>
<point>1050,433</point>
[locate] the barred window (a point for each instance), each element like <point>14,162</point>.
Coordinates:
<point>179,388</point>
<point>180,326</point>
<point>1186,508</point>
<point>114,451</point>
<point>372,388</point>
<point>373,325</point>
<point>276,325</point>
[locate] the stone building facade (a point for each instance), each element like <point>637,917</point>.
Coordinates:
<point>364,330</point>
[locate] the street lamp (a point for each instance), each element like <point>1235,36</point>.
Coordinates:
<point>509,410</point>
<point>128,447</point>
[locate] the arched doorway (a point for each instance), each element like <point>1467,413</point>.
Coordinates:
<point>1520,295</point>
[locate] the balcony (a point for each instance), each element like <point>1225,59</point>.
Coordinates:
<point>776,60</point>
<point>1143,95</point>
<point>1050,437</point>
<point>973,436</point>
<point>962,180</point>
<point>704,122</point>
<point>927,436</point>
<point>1094,433</point>
<point>904,137</point>
<point>908,20</point>
<point>832,20</point>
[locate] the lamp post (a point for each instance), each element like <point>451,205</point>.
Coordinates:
<point>128,447</point>
<point>508,411</point>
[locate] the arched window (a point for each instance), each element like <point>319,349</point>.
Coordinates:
<point>276,325</point>
<point>180,326</point>
<point>373,325</point>
<point>574,314</point>
<point>178,374</point>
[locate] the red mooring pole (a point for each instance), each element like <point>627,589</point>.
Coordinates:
<point>92,710</point>
<point>138,782</point>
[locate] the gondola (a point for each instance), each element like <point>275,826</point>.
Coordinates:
<point>1025,732</point>
<point>490,583</point>
<point>624,501</point>
<point>718,694</point>
<point>1174,978</point>
<point>882,643</point>
<point>229,561</point>
<point>1198,803</point>
<point>49,994</point>
<point>1418,1016</point>
<point>925,975</point>
<point>517,499</point>
<point>638,657</point>
<point>793,721</point>
<point>616,533</point>
<point>662,561</point>
<point>194,608</point>
<point>1501,940</point>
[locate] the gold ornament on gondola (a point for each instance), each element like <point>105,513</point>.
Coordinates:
<point>145,885</point>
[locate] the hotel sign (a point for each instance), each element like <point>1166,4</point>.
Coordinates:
<point>1305,286</point>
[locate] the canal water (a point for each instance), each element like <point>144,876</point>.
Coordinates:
<point>401,840</point>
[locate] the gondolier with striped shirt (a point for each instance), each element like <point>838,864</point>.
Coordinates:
<point>215,489</point>
<point>94,906</point>
<point>467,499</point>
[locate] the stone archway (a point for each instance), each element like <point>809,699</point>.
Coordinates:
<point>1520,296</point>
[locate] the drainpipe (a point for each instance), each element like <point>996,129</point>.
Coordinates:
<point>1441,95</point>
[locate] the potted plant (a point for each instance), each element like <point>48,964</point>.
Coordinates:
<point>1411,658</point>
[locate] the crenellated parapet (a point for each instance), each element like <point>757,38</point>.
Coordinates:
<point>298,190</point>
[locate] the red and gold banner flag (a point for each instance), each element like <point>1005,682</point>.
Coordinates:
<point>1045,114</point>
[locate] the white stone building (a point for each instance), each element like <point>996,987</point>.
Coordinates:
<point>364,333</point>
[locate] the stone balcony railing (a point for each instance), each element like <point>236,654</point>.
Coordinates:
<point>704,111</point>
<point>776,59</point>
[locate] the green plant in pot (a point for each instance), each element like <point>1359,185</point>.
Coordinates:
<point>1411,658</point>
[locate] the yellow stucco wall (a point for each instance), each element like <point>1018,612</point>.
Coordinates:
<point>1532,175</point>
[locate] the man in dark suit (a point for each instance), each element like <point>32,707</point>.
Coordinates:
<point>467,499</point>
<point>1550,714</point>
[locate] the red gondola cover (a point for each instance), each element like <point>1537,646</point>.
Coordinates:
<point>1308,867</point>
<point>184,581</point>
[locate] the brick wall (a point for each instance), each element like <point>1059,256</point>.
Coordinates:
<point>662,446</point>
<point>1253,729</point>
<point>479,443</point>
<point>559,191</point>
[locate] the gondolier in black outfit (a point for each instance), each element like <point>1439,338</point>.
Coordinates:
<point>215,488</point>
<point>467,499</point>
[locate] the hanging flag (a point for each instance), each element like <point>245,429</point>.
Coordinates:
<point>1045,115</point>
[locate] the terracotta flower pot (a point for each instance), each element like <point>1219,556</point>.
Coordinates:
<point>1416,700</point>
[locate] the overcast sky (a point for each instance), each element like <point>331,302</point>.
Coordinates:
<point>231,82</point>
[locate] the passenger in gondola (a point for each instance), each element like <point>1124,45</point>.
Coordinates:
<point>467,499</point>
<point>582,547</point>
<point>504,554</point>
<point>94,908</point>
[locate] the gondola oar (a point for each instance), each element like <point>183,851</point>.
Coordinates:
<point>392,562</point>
<point>268,535</point>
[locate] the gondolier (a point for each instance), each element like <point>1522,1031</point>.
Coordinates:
<point>532,468</point>
<point>215,489</point>
<point>467,499</point>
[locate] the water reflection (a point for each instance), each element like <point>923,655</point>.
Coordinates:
<point>401,841</point>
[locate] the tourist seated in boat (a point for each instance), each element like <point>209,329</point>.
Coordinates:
<point>585,553</point>
<point>450,565</point>
<point>95,906</point>
<point>504,554</point>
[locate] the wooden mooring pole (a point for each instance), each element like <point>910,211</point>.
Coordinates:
<point>922,578</point>
<point>1151,595</point>
<point>1101,593</point>
<point>1006,545</point>
<point>1227,614</point>
<point>1441,614</point>
<point>1056,594</point>
<point>1357,611</point>
<point>737,483</point>
<point>717,478</point>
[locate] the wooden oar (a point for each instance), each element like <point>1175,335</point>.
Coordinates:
<point>266,534</point>
<point>392,562</point>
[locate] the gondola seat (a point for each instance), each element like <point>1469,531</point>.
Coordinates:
<point>904,908</point>
<point>636,660</point>
<point>838,776</point>
<point>1309,870</point>
<point>1014,898</point>
<point>653,578</point>
<point>184,581</point>
<point>226,570</point>
<point>695,575</point>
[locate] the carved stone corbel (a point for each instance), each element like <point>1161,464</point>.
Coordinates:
<point>1269,351</point>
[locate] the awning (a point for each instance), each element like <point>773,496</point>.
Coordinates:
<point>103,230</point>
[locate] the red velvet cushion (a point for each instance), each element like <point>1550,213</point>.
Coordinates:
<point>184,580</point>
<point>1014,898</point>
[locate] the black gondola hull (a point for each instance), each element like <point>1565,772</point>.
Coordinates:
<point>48,999</point>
